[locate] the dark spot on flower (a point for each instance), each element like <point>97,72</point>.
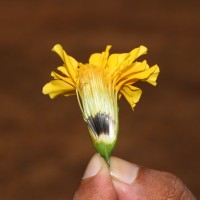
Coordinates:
<point>100,124</point>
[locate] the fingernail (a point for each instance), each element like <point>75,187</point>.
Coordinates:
<point>93,167</point>
<point>122,170</point>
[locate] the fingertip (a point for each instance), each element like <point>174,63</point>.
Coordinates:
<point>95,164</point>
<point>96,183</point>
<point>123,170</point>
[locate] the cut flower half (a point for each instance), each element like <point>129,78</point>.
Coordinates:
<point>98,85</point>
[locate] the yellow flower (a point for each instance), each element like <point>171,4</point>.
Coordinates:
<point>98,85</point>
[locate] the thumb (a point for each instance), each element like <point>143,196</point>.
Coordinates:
<point>133,182</point>
<point>96,183</point>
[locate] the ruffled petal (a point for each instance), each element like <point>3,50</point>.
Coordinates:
<point>63,70</point>
<point>134,68</point>
<point>57,87</point>
<point>59,77</point>
<point>149,75</point>
<point>134,54</point>
<point>144,75</point>
<point>70,62</point>
<point>153,77</point>
<point>117,62</point>
<point>132,94</point>
<point>100,59</point>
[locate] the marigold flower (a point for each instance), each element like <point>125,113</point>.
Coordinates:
<point>98,85</point>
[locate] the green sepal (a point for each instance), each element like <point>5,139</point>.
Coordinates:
<point>105,149</point>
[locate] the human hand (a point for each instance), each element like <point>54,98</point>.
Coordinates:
<point>127,181</point>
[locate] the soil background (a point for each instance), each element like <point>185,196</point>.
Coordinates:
<point>44,144</point>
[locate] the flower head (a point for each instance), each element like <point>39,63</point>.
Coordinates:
<point>98,85</point>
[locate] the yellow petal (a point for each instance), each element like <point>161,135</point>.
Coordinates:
<point>134,54</point>
<point>149,75</point>
<point>118,62</point>
<point>63,70</point>
<point>100,59</point>
<point>132,94</point>
<point>115,60</point>
<point>56,87</point>
<point>59,50</point>
<point>59,77</point>
<point>70,62</point>
<point>153,77</point>
<point>134,68</point>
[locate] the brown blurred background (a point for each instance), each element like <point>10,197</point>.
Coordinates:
<point>44,144</point>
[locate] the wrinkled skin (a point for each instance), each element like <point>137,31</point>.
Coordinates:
<point>100,182</point>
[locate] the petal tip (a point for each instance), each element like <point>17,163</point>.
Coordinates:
<point>108,47</point>
<point>44,89</point>
<point>56,47</point>
<point>143,49</point>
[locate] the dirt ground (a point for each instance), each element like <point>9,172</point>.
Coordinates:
<point>44,144</point>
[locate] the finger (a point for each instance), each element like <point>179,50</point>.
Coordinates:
<point>133,182</point>
<point>96,183</point>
